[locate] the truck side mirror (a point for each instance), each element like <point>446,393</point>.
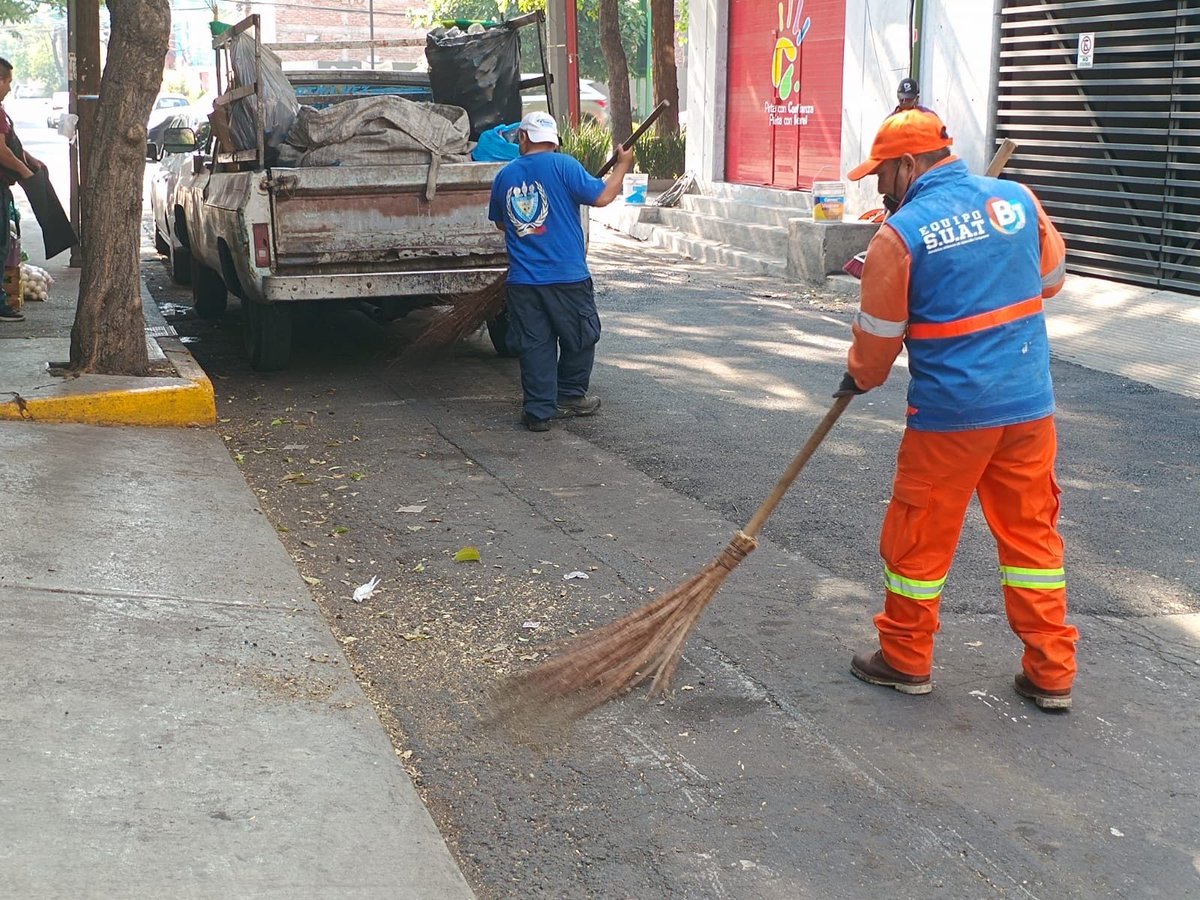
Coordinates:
<point>179,140</point>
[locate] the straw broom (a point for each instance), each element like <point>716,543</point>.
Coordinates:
<point>647,643</point>
<point>469,311</point>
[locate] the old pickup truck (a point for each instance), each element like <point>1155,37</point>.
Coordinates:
<point>388,237</point>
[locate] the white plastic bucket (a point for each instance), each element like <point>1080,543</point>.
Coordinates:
<point>634,188</point>
<point>829,200</point>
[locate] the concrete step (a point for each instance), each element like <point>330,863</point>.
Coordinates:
<point>715,252</point>
<point>742,210</point>
<point>764,240</point>
<point>761,196</point>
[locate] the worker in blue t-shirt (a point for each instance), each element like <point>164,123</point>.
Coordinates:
<point>553,325</point>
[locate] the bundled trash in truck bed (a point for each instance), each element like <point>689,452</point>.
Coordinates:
<point>279,98</point>
<point>479,70</point>
<point>378,131</point>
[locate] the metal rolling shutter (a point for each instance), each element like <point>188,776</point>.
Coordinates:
<point>1112,151</point>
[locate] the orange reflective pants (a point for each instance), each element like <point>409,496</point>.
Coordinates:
<point>1012,470</point>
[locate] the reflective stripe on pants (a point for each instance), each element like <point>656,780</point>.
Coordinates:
<point>1011,468</point>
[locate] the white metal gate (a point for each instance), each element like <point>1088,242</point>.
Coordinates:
<point>1112,149</point>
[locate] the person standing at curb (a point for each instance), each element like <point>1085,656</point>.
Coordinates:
<point>13,168</point>
<point>959,274</point>
<point>553,324</point>
<point>908,96</point>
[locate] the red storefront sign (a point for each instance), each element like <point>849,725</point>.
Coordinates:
<point>784,112</point>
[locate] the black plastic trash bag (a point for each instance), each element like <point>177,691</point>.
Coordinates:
<point>479,72</point>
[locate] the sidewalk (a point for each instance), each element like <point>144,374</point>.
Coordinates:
<point>178,720</point>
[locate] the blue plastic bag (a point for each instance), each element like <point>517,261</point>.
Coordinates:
<point>497,144</point>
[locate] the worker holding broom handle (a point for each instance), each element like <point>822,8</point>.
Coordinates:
<point>553,325</point>
<point>959,274</point>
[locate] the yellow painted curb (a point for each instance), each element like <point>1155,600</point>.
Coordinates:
<point>163,405</point>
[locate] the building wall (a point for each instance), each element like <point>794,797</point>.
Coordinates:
<point>707,47</point>
<point>957,66</point>
<point>877,57</point>
<point>957,63</point>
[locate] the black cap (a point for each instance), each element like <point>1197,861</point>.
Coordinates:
<point>908,89</point>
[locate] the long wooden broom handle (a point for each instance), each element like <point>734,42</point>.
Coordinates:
<point>641,129</point>
<point>785,480</point>
<point>1003,155</point>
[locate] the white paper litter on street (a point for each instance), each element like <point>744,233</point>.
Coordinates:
<point>571,575</point>
<point>364,591</point>
<point>415,508</point>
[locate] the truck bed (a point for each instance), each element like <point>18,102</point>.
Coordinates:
<point>329,219</point>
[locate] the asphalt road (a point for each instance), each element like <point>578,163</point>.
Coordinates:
<point>769,772</point>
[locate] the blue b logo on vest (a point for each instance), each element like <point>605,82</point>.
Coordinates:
<point>1006,216</point>
<point>528,207</point>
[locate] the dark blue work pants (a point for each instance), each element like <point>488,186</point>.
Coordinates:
<point>553,328</point>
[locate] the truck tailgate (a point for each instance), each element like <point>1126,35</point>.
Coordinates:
<point>377,217</point>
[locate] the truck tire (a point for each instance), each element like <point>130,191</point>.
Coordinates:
<point>180,261</point>
<point>267,335</point>
<point>498,332</point>
<point>209,297</point>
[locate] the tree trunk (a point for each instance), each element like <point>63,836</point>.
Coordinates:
<point>620,114</point>
<point>109,335</point>
<point>666,76</point>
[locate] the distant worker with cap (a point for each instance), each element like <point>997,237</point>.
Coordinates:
<point>958,275</point>
<point>908,93</point>
<point>553,325</point>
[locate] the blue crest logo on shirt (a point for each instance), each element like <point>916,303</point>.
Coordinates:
<point>528,207</point>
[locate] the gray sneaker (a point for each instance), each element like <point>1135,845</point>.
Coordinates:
<point>577,406</point>
<point>8,314</point>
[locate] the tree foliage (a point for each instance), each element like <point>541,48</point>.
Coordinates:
<point>16,10</point>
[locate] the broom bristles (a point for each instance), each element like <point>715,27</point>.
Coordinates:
<point>467,313</point>
<point>612,660</point>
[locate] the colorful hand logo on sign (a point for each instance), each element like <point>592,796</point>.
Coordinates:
<point>784,74</point>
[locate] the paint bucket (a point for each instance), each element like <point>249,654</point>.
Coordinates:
<point>634,189</point>
<point>829,200</point>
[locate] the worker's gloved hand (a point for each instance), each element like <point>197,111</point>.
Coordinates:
<point>848,388</point>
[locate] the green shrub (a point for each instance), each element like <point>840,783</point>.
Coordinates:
<point>660,154</point>
<point>590,143</point>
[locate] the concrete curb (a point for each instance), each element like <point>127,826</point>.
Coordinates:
<point>185,401</point>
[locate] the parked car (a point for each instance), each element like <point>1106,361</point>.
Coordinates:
<point>593,101</point>
<point>166,106</point>
<point>58,108</point>
<point>173,152</point>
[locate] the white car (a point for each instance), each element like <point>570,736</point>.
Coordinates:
<point>173,161</point>
<point>165,106</point>
<point>593,101</point>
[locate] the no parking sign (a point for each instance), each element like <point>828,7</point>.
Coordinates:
<point>1087,47</point>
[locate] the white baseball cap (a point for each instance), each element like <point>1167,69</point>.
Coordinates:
<point>540,128</point>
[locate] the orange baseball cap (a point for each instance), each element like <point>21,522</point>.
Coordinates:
<point>911,131</point>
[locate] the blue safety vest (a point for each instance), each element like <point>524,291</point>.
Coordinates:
<point>976,337</point>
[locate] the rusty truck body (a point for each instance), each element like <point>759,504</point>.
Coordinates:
<point>388,237</point>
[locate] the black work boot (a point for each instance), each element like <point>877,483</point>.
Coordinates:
<point>534,424</point>
<point>873,669</point>
<point>577,406</point>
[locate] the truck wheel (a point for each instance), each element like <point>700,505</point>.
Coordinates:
<point>209,297</point>
<point>267,335</point>
<point>498,332</point>
<point>181,265</point>
<point>160,243</point>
